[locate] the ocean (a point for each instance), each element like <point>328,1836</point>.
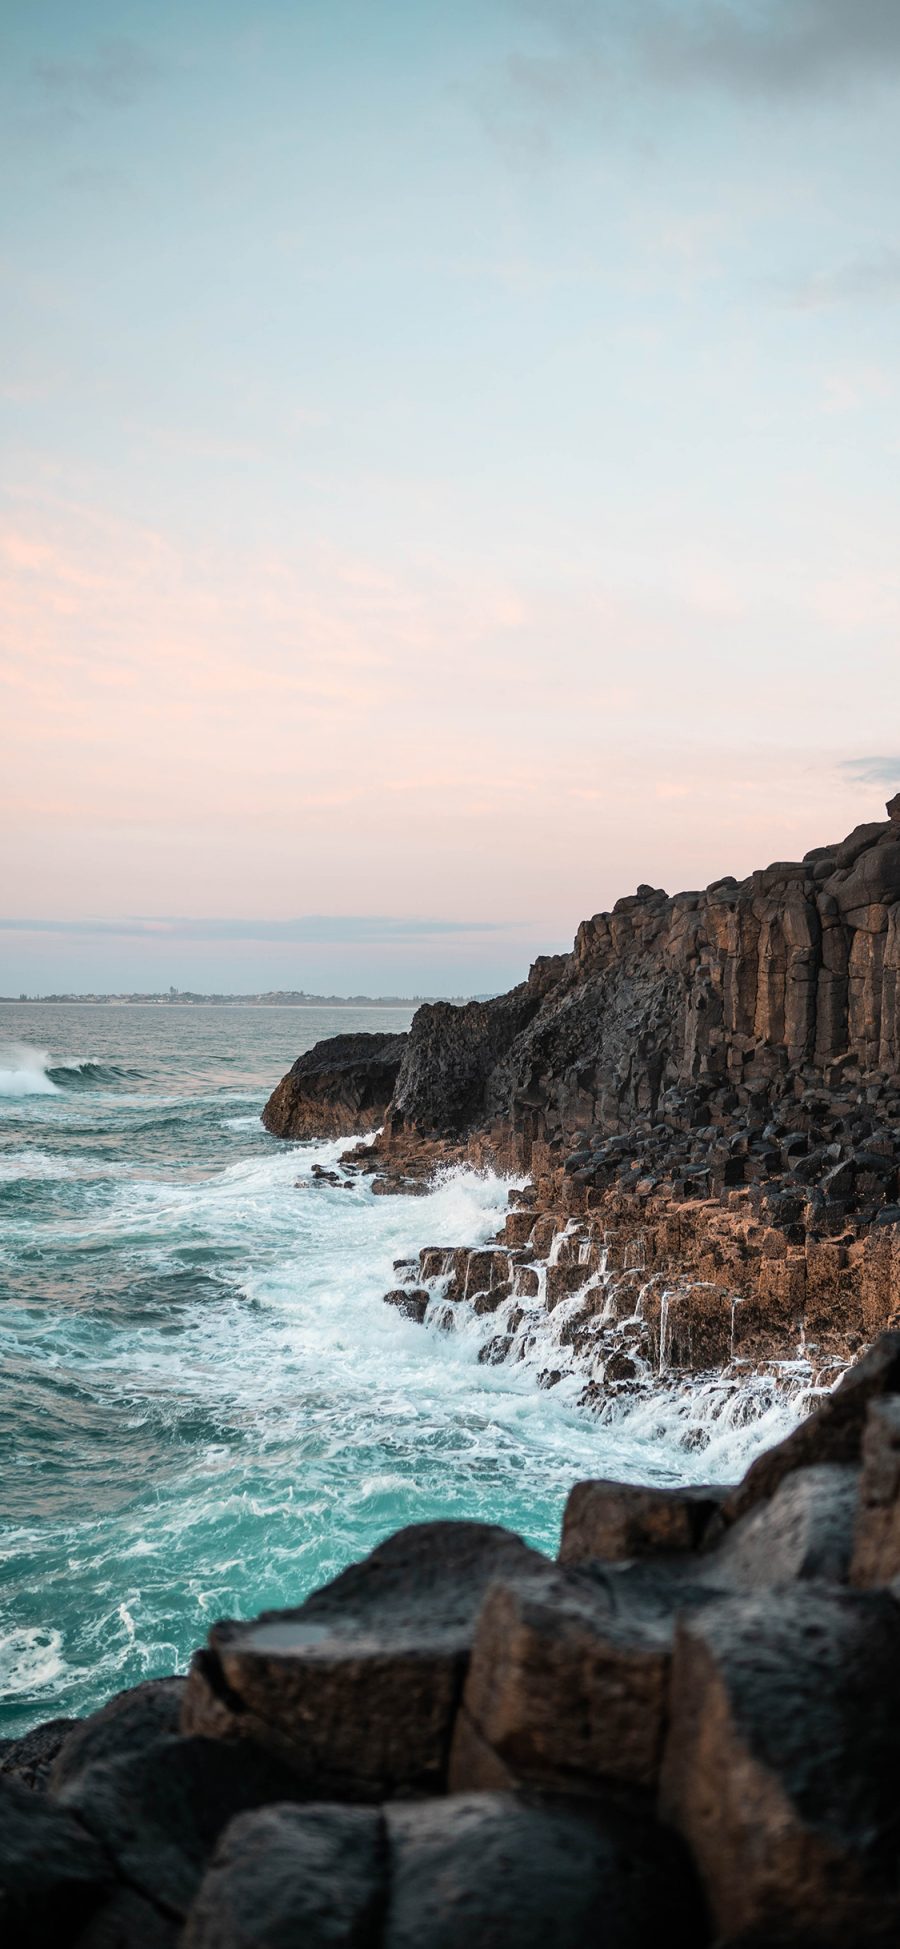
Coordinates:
<point>205,1407</point>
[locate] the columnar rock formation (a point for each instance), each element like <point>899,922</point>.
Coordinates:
<point>795,970</point>
<point>682,1731</point>
<point>706,1093</point>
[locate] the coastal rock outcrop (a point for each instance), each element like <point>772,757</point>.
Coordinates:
<point>342,1085</point>
<point>684,1730</point>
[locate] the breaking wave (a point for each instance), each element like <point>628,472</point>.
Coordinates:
<point>25,1071</point>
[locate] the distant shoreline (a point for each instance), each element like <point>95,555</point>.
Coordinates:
<point>230,1001</point>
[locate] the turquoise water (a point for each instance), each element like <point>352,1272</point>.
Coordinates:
<point>205,1406</point>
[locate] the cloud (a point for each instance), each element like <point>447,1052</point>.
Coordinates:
<point>776,48</point>
<point>116,76</point>
<point>872,771</point>
<point>586,55</point>
<point>863,280</point>
<point>332,930</point>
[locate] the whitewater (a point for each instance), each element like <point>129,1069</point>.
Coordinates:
<point>205,1407</point>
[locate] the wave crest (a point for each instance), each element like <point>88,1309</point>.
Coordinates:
<point>25,1071</point>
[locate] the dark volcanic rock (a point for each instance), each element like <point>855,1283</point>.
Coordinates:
<point>30,1758</point>
<point>52,1874</point>
<point>293,1878</point>
<point>780,1764</point>
<point>358,1688</point>
<point>120,1729</point>
<point>489,1871</point>
<point>159,1813</point>
<point>342,1085</point>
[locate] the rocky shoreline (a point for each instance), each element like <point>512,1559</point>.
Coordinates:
<point>684,1730</point>
<point>704,1099</point>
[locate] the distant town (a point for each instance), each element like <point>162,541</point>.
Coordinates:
<point>273,998</point>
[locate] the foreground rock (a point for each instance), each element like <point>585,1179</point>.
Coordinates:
<point>357,1690</point>
<point>683,1732</point>
<point>342,1085</point>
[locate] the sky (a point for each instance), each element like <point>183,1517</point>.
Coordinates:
<point>450,473</point>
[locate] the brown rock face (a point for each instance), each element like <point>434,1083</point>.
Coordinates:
<point>342,1085</point>
<point>357,1689</point>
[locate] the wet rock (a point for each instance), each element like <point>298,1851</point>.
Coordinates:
<point>290,1876</point>
<point>121,1728</point>
<point>494,1871</point>
<point>613,1521</point>
<point>52,1874</point>
<point>780,1764</point>
<point>805,1531</point>
<point>358,1688</point>
<point>29,1758</point>
<point>411,1301</point>
<point>158,1813</point>
<point>876,1555</point>
<point>569,1677</point>
<point>832,1434</point>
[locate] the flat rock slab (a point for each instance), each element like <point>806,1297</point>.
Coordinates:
<point>52,1874</point>
<point>568,1681</point>
<point>291,1876</point>
<point>806,1531</point>
<point>614,1521</point>
<point>359,1687</point>
<point>780,1766</point>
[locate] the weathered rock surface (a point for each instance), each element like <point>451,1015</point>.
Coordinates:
<point>30,1758</point>
<point>158,1814</point>
<point>876,1554</point>
<point>493,1870</point>
<point>122,1728</point>
<point>342,1085</point>
<point>615,1521</point>
<point>780,1764</point>
<point>291,1876</point>
<point>528,1734</point>
<point>52,1874</point>
<point>358,1689</point>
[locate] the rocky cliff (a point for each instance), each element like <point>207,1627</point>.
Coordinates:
<point>669,1002</point>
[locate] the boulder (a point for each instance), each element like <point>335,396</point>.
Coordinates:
<point>52,1873</point>
<point>120,1729</point>
<point>289,1876</point>
<point>342,1085</point>
<point>806,1531</point>
<point>613,1521</point>
<point>158,1813</point>
<point>569,1677</point>
<point>780,1764</point>
<point>125,1920</point>
<point>358,1688</point>
<point>876,1555</point>
<point>410,1301</point>
<point>491,1871</point>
